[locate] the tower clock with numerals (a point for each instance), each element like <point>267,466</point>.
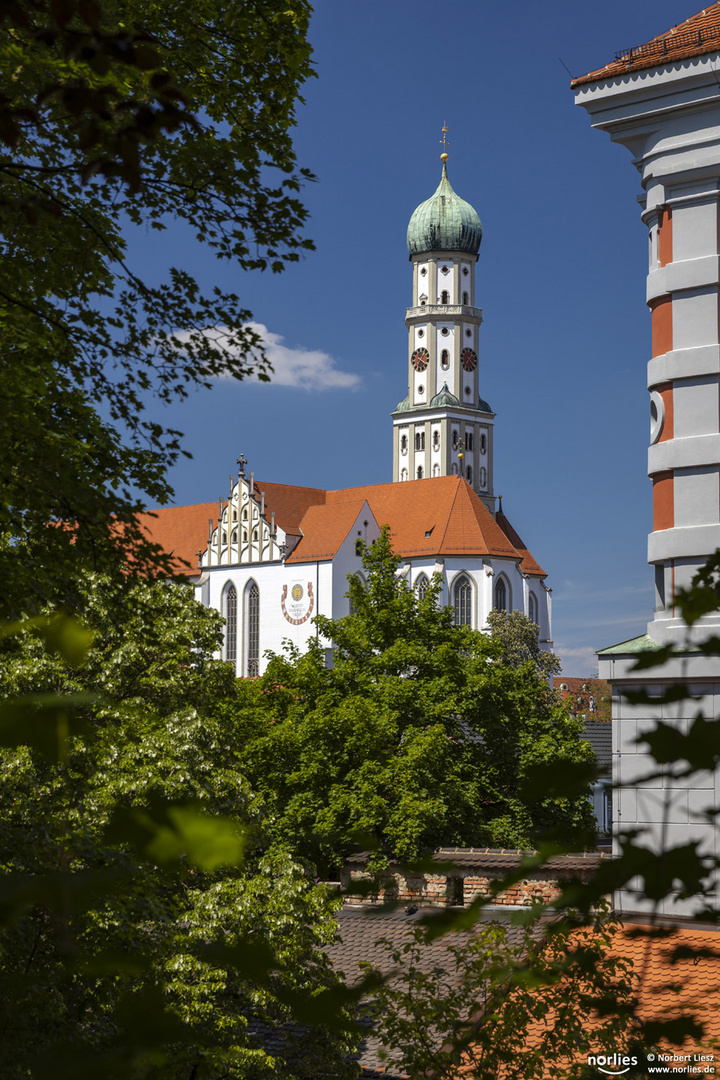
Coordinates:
<point>444,427</point>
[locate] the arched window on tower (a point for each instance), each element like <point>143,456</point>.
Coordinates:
<point>403,474</point>
<point>419,438</point>
<point>230,612</point>
<point>436,440</point>
<point>252,625</point>
<point>444,359</point>
<point>502,594</point>
<point>462,601</point>
<point>419,472</point>
<point>483,444</point>
<point>533,613</point>
<point>466,298</point>
<point>403,444</point>
<point>444,297</point>
<point>468,473</point>
<point>421,586</point>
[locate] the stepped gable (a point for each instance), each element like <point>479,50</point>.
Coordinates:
<point>181,531</point>
<point>697,36</point>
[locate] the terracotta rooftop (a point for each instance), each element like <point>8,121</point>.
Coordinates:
<point>434,517</point>
<point>697,36</point>
<point>181,531</point>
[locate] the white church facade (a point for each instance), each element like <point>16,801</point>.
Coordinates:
<point>273,556</point>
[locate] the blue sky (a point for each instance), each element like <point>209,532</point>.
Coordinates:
<point>561,280</point>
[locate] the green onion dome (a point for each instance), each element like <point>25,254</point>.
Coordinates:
<point>444,222</point>
<point>404,405</point>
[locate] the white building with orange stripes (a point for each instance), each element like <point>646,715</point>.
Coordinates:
<point>272,556</point>
<point>662,101</point>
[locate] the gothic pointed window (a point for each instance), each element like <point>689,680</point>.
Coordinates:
<point>252,624</point>
<point>533,608</point>
<point>462,601</point>
<point>230,612</point>
<point>421,586</point>
<point>502,594</point>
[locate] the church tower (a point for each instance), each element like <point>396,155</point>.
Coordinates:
<point>443,427</point>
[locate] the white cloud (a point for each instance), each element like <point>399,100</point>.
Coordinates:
<point>576,662</point>
<point>305,369</point>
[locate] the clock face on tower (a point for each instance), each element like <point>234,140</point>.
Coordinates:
<point>468,359</point>
<point>420,359</point>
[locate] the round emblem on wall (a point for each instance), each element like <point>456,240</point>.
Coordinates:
<point>298,608</point>
<point>468,359</point>
<point>420,359</point>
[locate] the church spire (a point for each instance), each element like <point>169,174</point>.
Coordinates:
<point>444,427</point>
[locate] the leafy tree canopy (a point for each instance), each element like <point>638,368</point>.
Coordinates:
<point>419,735</point>
<point>134,112</point>
<point>148,929</point>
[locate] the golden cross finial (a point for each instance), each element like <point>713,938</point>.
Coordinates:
<point>444,155</point>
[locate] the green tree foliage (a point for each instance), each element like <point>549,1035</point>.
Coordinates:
<point>520,642</point>
<point>130,112</point>
<point>515,1005</point>
<point>149,930</point>
<point>419,735</point>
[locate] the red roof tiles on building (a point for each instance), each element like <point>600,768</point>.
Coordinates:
<point>697,36</point>
<point>181,531</point>
<point>324,529</point>
<point>440,516</point>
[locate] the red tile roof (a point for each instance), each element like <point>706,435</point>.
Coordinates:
<point>324,528</point>
<point>668,989</point>
<point>440,516</point>
<point>181,531</point>
<point>290,503</point>
<point>697,36</point>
